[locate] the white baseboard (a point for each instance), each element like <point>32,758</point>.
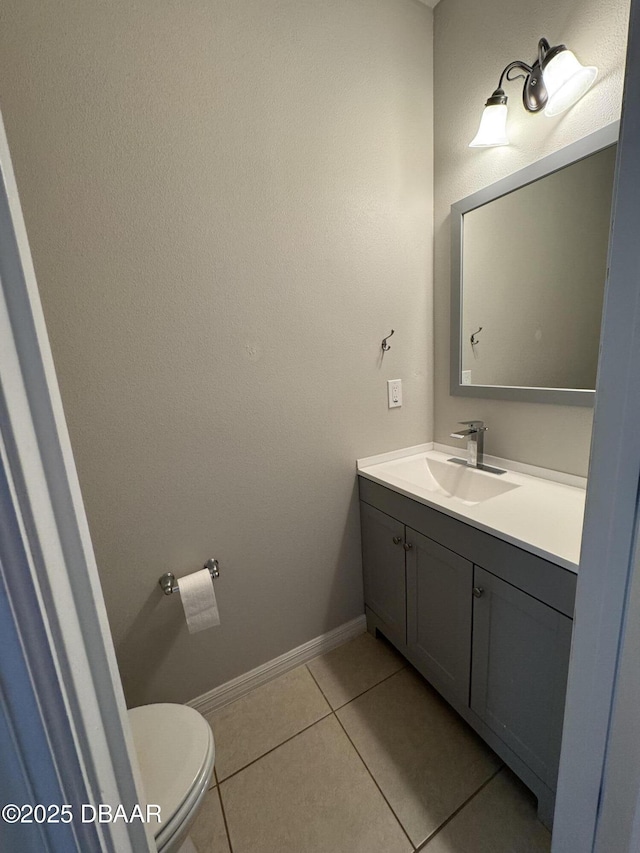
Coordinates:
<point>243,684</point>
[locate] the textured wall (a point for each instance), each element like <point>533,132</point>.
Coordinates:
<point>229,204</point>
<point>472,44</point>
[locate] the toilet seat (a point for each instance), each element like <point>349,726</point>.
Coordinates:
<point>174,832</point>
<point>176,753</point>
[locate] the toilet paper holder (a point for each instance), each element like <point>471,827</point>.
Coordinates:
<point>168,582</point>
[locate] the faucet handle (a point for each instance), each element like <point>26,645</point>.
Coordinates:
<point>475,425</point>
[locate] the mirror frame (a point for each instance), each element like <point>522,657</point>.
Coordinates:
<point>585,147</point>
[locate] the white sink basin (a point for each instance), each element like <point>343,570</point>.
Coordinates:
<point>542,514</point>
<point>467,485</point>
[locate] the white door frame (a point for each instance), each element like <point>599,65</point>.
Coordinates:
<point>63,723</point>
<point>597,792</point>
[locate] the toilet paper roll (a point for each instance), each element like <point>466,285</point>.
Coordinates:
<point>199,601</point>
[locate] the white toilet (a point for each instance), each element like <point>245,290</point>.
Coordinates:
<point>176,752</point>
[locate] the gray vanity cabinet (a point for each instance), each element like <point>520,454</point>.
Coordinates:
<point>519,671</point>
<point>487,623</point>
<point>439,614</point>
<point>419,591</point>
<point>384,570</point>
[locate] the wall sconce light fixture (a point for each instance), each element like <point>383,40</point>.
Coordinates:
<point>554,82</point>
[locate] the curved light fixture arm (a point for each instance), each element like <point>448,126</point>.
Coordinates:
<point>521,66</point>
<point>543,49</point>
<point>534,93</point>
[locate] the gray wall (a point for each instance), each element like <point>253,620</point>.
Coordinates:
<point>540,315</point>
<point>229,204</point>
<point>472,44</point>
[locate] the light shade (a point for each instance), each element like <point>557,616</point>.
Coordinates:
<point>566,81</point>
<point>493,127</point>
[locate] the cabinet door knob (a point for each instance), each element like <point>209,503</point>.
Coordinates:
<point>478,591</point>
<point>407,546</point>
<point>397,540</point>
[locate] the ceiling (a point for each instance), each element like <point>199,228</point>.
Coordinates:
<point>430,3</point>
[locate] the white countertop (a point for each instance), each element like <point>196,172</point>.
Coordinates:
<point>543,515</point>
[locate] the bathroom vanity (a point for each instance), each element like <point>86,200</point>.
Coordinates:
<point>472,577</point>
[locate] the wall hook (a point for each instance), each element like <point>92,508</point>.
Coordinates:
<point>473,338</point>
<point>385,345</point>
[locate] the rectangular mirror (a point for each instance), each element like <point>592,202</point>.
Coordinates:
<point>529,263</point>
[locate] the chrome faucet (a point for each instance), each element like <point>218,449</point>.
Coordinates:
<point>475,441</point>
<point>475,446</point>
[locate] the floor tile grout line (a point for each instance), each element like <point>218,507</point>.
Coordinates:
<point>273,748</point>
<point>382,681</point>
<point>344,705</point>
<point>317,684</point>
<point>391,809</point>
<point>334,712</point>
<point>214,776</point>
<point>224,818</point>
<point>330,713</point>
<point>324,716</point>
<point>454,814</point>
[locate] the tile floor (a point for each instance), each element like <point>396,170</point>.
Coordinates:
<point>355,753</point>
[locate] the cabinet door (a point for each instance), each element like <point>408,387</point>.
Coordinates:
<point>439,585</point>
<point>383,566</point>
<point>519,671</point>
